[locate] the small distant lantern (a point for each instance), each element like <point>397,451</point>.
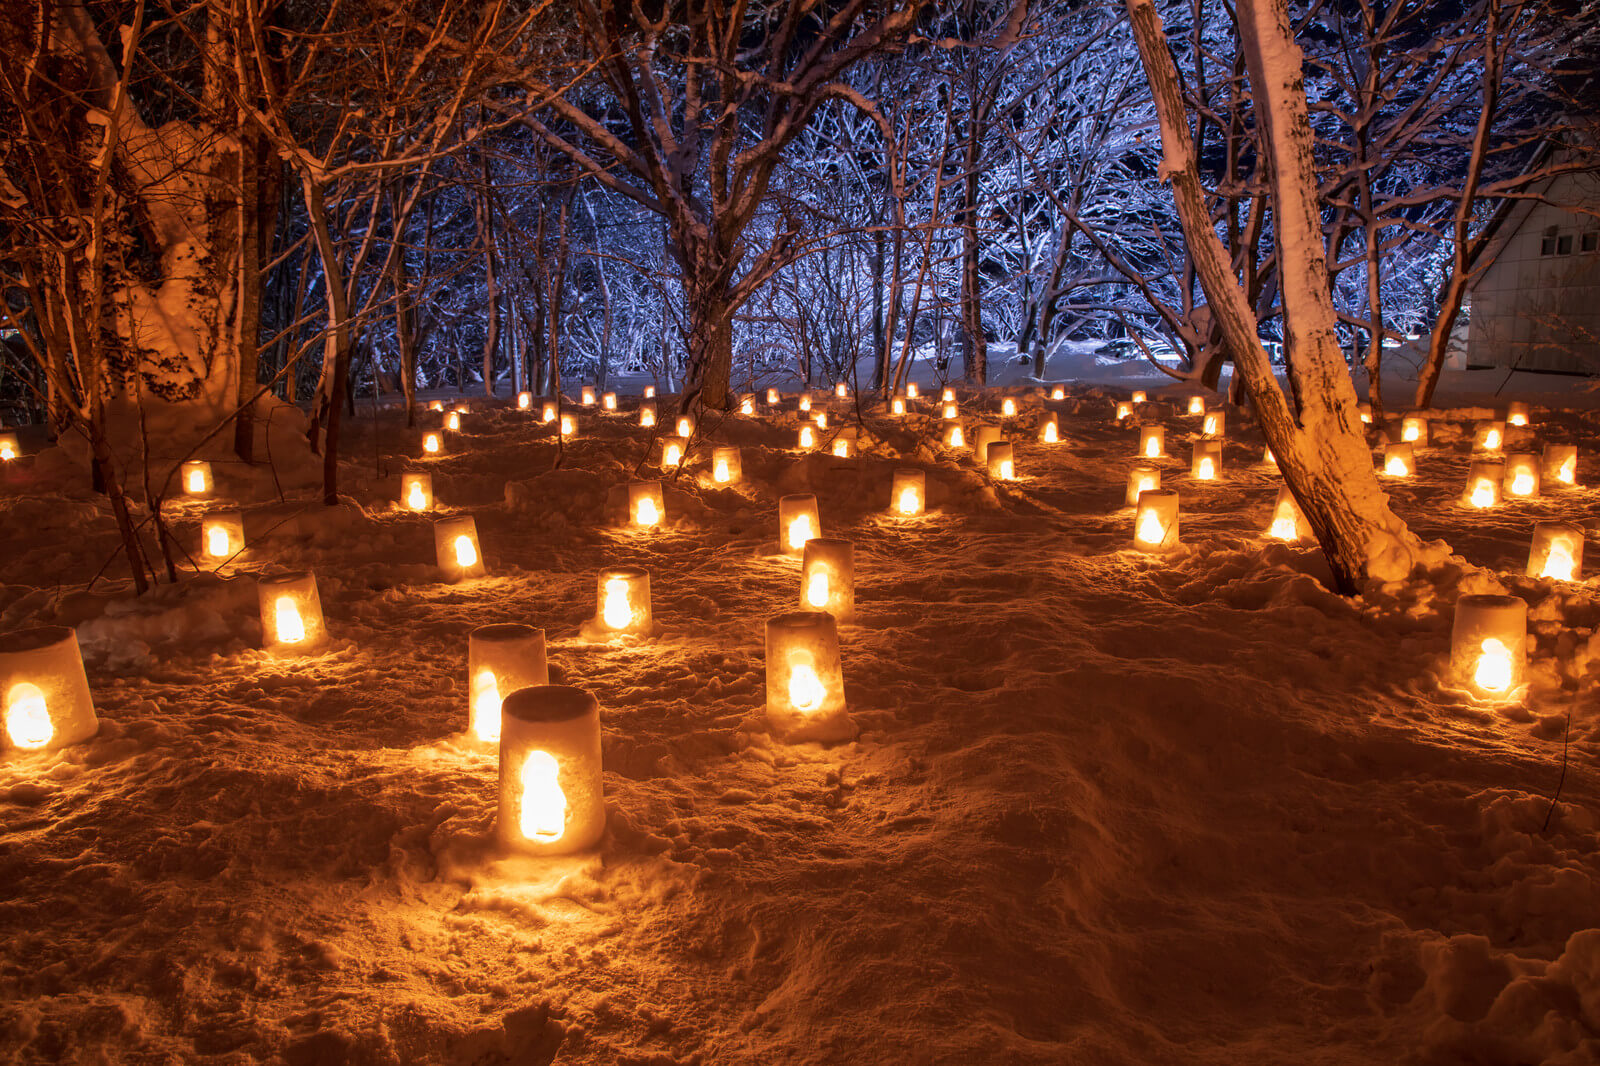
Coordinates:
<point>1155,520</point>
<point>948,395</point>
<point>548,411</point>
<point>1556,551</point>
<point>436,405</point>
<point>820,419</point>
<point>908,494</point>
<point>608,401</point>
<point>897,406</point>
<point>685,426</point>
<point>462,408</point>
<point>840,390</point>
<point>805,685</point>
<point>1489,645</point>
<point>772,397</point>
<point>807,438</point>
<point>552,795</point>
<point>586,395</point>
<point>1213,424</point>
<point>646,505</point>
<point>1207,460</point>
<point>416,491</point>
<point>500,659</point>
<point>222,535</point>
<point>622,602</point>
<point>1152,442</point>
<point>1049,430</point>
<point>1058,393</point>
<point>1267,458</point>
<point>196,477</point>
<point>828,578</point>
<point>954,436</point>
<point>1364,412</point>
<point>1414,430</point>
<point>1002,461</point>
<point>672,451</point>
<point>1517,413</point>
<point>524,401</point>
<point>569,424</point>
<point>843,447</point>
<point>797,522</point>
<point>1288,521</point>
<point>1483,483</point>
<point>649,392</point>
<point>1561,465</point>
<point>804,402</point>
<point>432,443</point>
<point>1141,478</point>
<point>455,543</point>
<point>747,405</point>
<point>950,411</point>
<point>9,448</point>
<point>46,696</point>
<point>1138,396</point>
<point>1522,475</point>
<point>452,421</point>
<point>911,390</point>
<point>726,466</point>
<point>1008,407</point>
<point>1124,411</point>
<point>1489,436</point>
<point>1399,460</point>
<point>291,612</point>
<point>647,414</point>
<point>980,438</point>
<point>1197,405</point>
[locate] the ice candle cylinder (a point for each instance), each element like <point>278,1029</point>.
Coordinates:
<point>1206,464</point>
<point>948,395</point>
<point>452,421</point>
<point>840,390</point>
<point>524,401</point>
<point>843,447</point>
<point>1002,461</point>
<point>455,542</point>
<point>1556,551</point>
<point>897,406</point>
<point>1517,413</point>
<point>1489,437</point>
<point>685,426</point>
<point>196,477</point>
<point>908,493</point>
<point>222,535</point>
<point>569,424</point>
<point>950,411</point>
<point>727,467</point>
<point>1138,396</point>
<point>9,448</point>
<point>1399,460</point>
<point>1049,430</point>
<point>1483,483</point>
<point>646,505</point>
<point>1141,478</point>
<point>291,612</point>
<point>671,452</point>
<point>1197,405</point>
<point>586,395</point>
<point>500,659</point>
<point>1008,407</point>
<point>45,689</point>
<point>804,402</point>
<point>416,491</point>
<point>649,392</point>
<point>647,413</point>
<point>431,443</point>
<point>805,684</point>
<point>1155,520</point>
<point>807,438</point>
<point>1058,393</point>
<point>1152,442</point>
<point>548,411</point>
<point>1561,465</point>
<point>954,436</point>
<point>552,796</point>
<point>980,438</point>
<point>1288,522</point>
<point>797,522</point>
<point>1364,412</point>
<point>608,400</point>
<point>1489,645</point>
<point>772,397</point>
<point>828,577</point>
<point>911,390</point>
<point>622,601</point>
<point>1214,424</point>
<point>1522,475</point>
<point>1414,430</point>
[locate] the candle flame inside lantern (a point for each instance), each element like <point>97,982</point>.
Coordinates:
<point>805,403</point>
<point>772,395</point>
<point>720,471</point>
<point>1008,406</point>
<point>453,421</point>
<point>647,417</point>
<point>839,390</point>
<point>1395,466</point>
<point>286,619</point>
<point>544,805</point>
<point>1411,432</point>
<point>1491,439</point>
<point>841,447</point>
<point>609,402</point>
<point>1211,423</point>
<point>805,688</point>
<point>466,552</point>
<point>957,439</point>
<point>685,426</point>
<point>1568,471</point>
<point>1050,433</point>
<point>1197,406</point>
<point>806,437</point>
<point>1493,673</point>
<point>430,443</point>
<point>566,425</point>
<point>1008,470</point>
<point>617,611</point>
<point>911,390</point>
<point>197,481</point>
<point>1208,468</point>
<point>1483,493</point>
<point>1151,531</point>
<point>414,497</point>
<point>822,420</point>
<point>948,394</point>
<point>1518,419</point>
<point>7,452</point>
<point>800,531</point>
<point>548,414</point>
<point>950,410</point>
<point>1284,527</point>
<point>27,717</point>
<point>486,706</point>
<point>524,402</point>
<point>1558,564</point>
<point>1522,484</point>
<point>747,407</point>
<point>1152,448</point>
<point>672,455</point>
<point>646,514</point>
<point>817,588</point>
<point>216,542</point>
<point>897,406</point>
<point>908,501</point>
<point>1058,393</point>
<point>1366,418</point>
<point>1124,410</point>
<point>1137,397</point>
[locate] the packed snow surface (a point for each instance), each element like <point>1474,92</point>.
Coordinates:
<point>1104,807</point>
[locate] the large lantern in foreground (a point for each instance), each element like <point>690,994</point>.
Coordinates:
<point>291,612</point>
<point>1155,520</point>
<point>1141,478</point>
<point>500,659</point>
<point>552,799</point>
<point>221,535</point>
<point>416,491</point>
<point>797,522</point>
<point>622,602</point>
<point>828,577</point>
<point>1556,551</point>
<point>647,506</point>
<point>44,692</point>
<point>908,495</point>
<point>455,542</point>
<point>196,477</point>
<point>805,684</point>
<point>1561,465</point>
<point>1489,645</point>
<point>1152,442</point>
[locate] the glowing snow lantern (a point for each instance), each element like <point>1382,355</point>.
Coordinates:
<point>772,397</point>
<point>1213,424</point>
<point>797,522</point>
<point>45,692</point>
<point>840,390</point>
<point>843,447</point>
<point>586,395</point>
<point>1138,396</point>
<point>747,405</point>
<point>1155,520</point>
<point>622,601</point>
<point>807,438</point>
<point>1489,437</point>
<point>500,659</point>
<point>1141,478</point>
<point>821,419</point>
<point>828,578</point>
<point>805,685</point>
<point>569,424</point>
<point>1489,645</point>
<point>649,392</point>
<point>950,412</point>
<point>1206,464</point>
<point>1002,461</point>
<point>908,494</point>
<point>432,443</point>
<point>9,448</point>
<point>455,542</point>
<point>1008,407</point>
<point>291,612</point>
<point>726,466</point>
<point>1517,414</point>
<point>1522,475</point>
<point>548,411</point>
<point>1414,430</point>
<point>647,414</point>
<point>954,436</point>
<point>1399,460</point>
<point>1268,459</point>
<point>1483,483</point>
<point>805,401</point>
<point>196,477</point>
<point>948,395</point>
<point>452,421</point>
<point>608,400</point>
<point>524,401</point>
<point>436,405</point>
<point>462,408</point>
<point>416,491</point>
<point>1561,465</point>
<point>1152,442</point>
<point>222,535</point>
<point>1124,411</point>
<point>672,452</point>
<point>1288,523</point>
<point>911,390</point>
<point>1058,393</point>
<point>981,437</point>
<point>685,426</point>
<point>552,799</point>
<point>897,406</point>
<point>1049,430</point>
<point>646,505</point>
<point>1364,412</point>
<point>1556,551</point>
<point>1197,405</point>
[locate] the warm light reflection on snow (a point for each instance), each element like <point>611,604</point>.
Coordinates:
<point>466,552</point>
<point>287,621</point>
<point>217,542</point>
<point>817,588</point>
<point>544,805</point>
<point>1483,493</point>
<point>1494,666</point>
<point>805,688</point>
<point>800,531</point>
<point>27,718</point>
<point>617,610</point>
<point>486,706</point>
<point>1558,564</point>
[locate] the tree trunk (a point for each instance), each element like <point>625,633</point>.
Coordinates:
<point>248,318</point>
<point>336,347</point>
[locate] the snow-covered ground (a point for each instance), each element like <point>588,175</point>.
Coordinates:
<point>1105,807</point>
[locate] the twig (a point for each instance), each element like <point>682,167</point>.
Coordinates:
<point>1563,779</point>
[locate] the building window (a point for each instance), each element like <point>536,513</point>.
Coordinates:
<point>1564,244</point>
<point>1591,241</point>
<point>1547,246</point>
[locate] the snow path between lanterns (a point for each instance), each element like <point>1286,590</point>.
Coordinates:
<point>1105,807</point>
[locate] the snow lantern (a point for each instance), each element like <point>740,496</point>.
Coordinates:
<point>1212,426</point>
<point>950,411</point>
<point>1049,430</point>
<point>820,419</point>
<point>1124,411</point>
<point>1561,465</point>
<point>1556,551</point>
<point>622,601</point>
<point>291,612</point>
<point>797,522</point>
<point>911,390</point>
<point>1288,522</point>
<point>432,443</point>
<point>843,446</point>
<point>1399,460</point>
<point>455,541</point>
<point>452,421</point>
<point>1364,412</point>
<point>569,424</point>
<point>1414,430</point>
<point>647,414</point>
<point>726,467</point>
<point>500,659</point>
<point>981,437</point>
<point>948,395</point>
<point>46,692</point>
<point>1141,478</point>
<point>462,408</point>
<point>1517,413</point>
<point>649,392</point>
<point>436,405</point>
<point>552,797</point>
<point>1489,645</point>
<point>1488,437</point>
<point>1267,458</point>
<point>416,491</point>
<point>1152,442</point>
<point>1155,520</point>
<point>646,506</point>
<point>1058,393</point>
<point>1197,405</point>
<point>828,578</point>
<point>1008,407</point>
<point>908,495</point>
<point>524,401</point>
<point>685,426</point>
<point>841,390</point>
<point>1483,482</point>
<point>897,406</point>
<point>196,477</point>
<point>9,448</point>
<point>1522,475</point>
<point>1002,461</point>
<point>608,400</point>
<point>747,405</point>
<point>805,685</point>
<point>672,451</point>
<point>586,395</point>
<point>772,397</point>
<point>1207,460</point>
<point>807,438</point>
<point>954,436</point>
<point>804,403</point>
<point>548,411</point>
<point>222,535</point>
<point>1138,396</point>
